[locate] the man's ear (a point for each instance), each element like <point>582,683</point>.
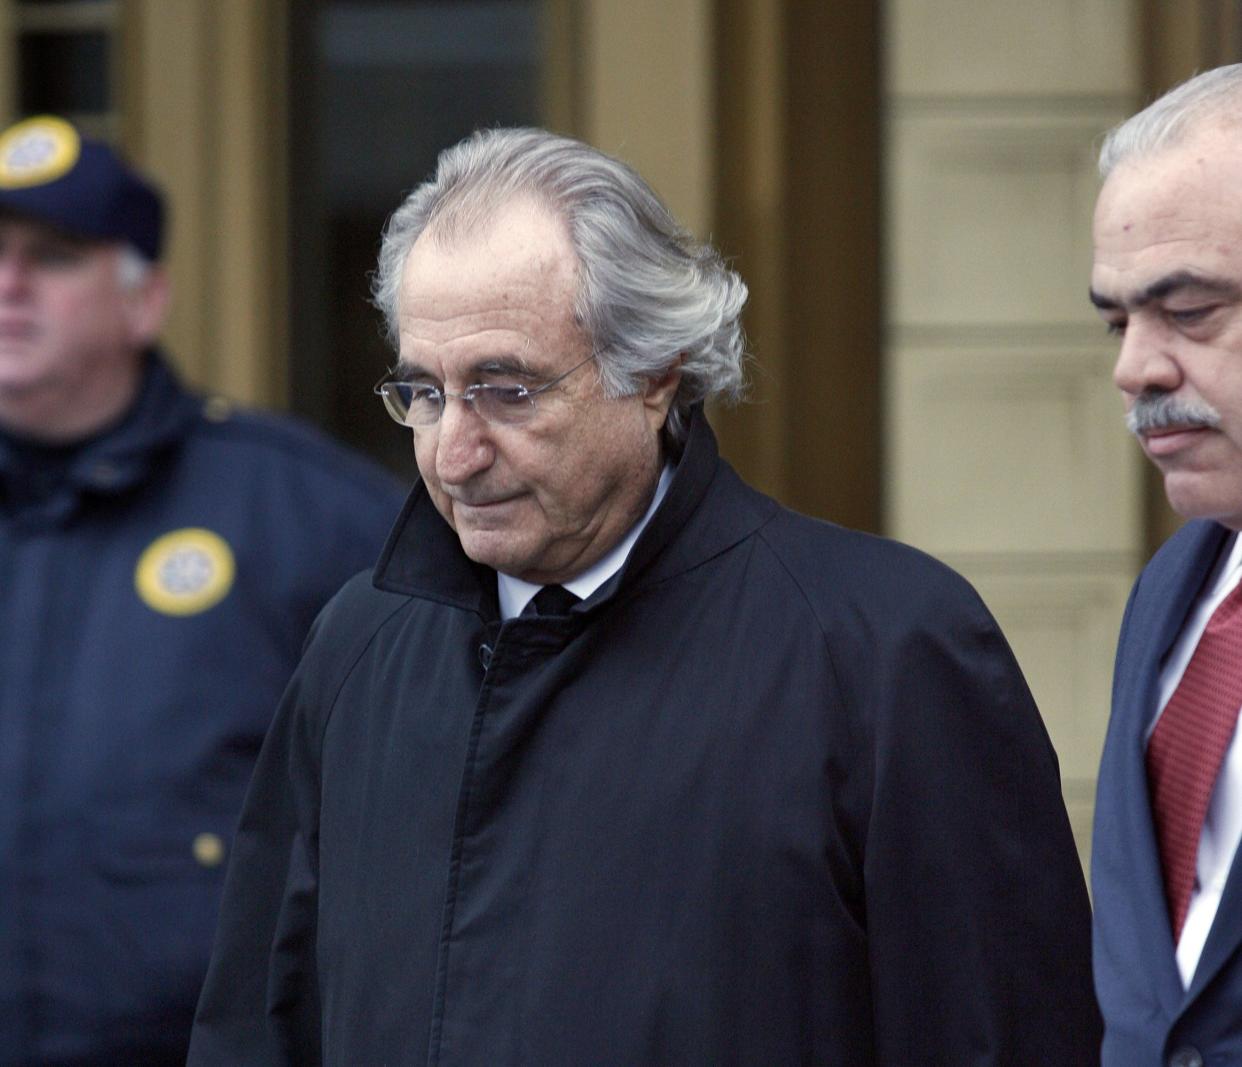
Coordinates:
<point>147,307</point>
<point>659,393</point>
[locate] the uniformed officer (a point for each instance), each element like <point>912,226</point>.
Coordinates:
<point>161,559</point>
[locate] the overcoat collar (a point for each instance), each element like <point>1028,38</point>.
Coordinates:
<point>707,509</point>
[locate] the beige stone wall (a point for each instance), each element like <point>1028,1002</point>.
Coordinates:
<point>203,111</point>
<point>1007,454</point>
<point>646,95</point>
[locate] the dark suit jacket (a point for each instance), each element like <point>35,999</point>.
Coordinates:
<point>1148,1017</point>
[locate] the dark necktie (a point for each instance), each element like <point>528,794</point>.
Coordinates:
<point>1188,746</point>
<point>551,600</point>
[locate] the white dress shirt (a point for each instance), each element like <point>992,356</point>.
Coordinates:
<point>515,594</point>
<point>1222,828</point>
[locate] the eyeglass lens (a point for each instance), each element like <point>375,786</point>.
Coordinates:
<point>420,405</point>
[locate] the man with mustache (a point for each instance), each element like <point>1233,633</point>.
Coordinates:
<point>1167,278</point>
<point>615,760</point>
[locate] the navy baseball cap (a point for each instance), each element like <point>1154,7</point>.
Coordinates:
<point>50,172</point>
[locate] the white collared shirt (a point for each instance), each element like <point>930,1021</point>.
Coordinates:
<point>515,594</point>
<point>1222,828</point>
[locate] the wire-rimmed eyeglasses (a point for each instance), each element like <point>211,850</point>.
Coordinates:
<point>417,404</point>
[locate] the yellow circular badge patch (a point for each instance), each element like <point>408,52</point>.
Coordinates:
<point>185,572</point>
<point>36,151</point>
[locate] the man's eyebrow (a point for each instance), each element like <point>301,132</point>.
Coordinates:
<point>514,365</point>
<point>408,371</point>
<point>1166,286</point>
<point>505,365</point>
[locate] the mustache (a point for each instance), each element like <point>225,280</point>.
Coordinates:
<point>1163,411</point>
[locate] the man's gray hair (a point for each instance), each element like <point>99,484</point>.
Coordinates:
<point>132,267</point>
<point>648,291</point>
<point>1214,95</point>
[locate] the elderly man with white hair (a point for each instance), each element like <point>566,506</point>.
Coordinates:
<point>616,761</point>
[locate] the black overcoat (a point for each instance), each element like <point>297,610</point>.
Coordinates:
<point>777,794</point>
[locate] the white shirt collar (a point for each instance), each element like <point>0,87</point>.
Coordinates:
<point>515,593</point>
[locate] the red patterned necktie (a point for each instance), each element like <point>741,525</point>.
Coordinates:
<point>1188,746</point>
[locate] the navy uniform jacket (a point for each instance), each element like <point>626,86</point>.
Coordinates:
<point>776,795</point>
<point>1149,1019</point>
<point>152,608</point>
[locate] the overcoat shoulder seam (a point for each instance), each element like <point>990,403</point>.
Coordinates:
<point>810,606</point>
<point>353,665</point>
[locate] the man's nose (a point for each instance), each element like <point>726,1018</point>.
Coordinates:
<point>464,445</point>
<point>14,274</point>
<point>1147,360</point>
